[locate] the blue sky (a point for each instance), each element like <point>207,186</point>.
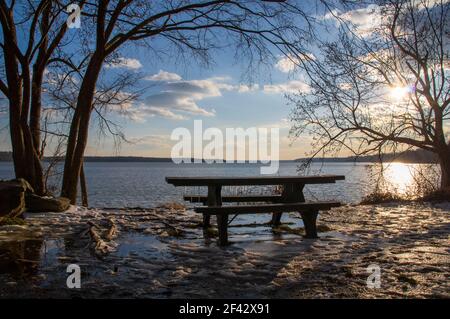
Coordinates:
<point>222,94</point>
<point>178,95</point>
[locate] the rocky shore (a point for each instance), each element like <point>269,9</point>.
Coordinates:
<point>161,253</point>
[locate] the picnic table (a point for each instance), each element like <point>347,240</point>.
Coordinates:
<point>290,199</point>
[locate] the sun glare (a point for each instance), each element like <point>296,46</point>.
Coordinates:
<point>399,176</point>
<point>399,93</point>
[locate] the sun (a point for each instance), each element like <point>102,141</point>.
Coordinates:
<point>399,93</point>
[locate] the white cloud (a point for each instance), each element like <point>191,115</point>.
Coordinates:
<point>288,64</point>
<point>142,112</point>
<point>197,89</point>
<point>126,63</point>
<point>56,78</point>
<point>430,3</point>
<point>244,88</point>
<point>285,65</point>
<point>364,20</point>
<point>163,76</point>
<point>183,96</point>
<point>178,101</point>
<point>163,112</point>
<point>177,98</point>
<point>345,86</point>
<point>288,87</point>
<point>120,102</point>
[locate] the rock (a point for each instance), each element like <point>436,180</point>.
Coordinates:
<point>12,197</point>
<point>35,203</point>
<point>16,197</point>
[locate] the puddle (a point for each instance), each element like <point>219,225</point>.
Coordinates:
<point>146,260</point>
<point>140,244</point>
<point>20,258</point>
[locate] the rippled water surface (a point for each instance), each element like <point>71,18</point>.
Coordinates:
<point>125,184</point>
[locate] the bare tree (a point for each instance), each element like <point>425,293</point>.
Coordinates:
<point>31,32</point>
<point>385,90</point>
<point>256,27</point>
<point>113,95</point>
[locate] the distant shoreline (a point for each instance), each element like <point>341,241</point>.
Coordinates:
<point>299,161</point>
<point>409,157</point>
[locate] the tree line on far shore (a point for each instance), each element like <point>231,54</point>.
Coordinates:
<point>416,156</point>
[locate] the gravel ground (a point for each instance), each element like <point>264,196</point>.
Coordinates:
<point>161,253</point>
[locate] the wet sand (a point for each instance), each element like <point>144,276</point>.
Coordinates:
<point>161,253</point>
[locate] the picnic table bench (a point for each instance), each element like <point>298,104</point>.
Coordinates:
<point>291,199</point>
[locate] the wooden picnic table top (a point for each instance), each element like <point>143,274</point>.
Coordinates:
<point>251,180</point>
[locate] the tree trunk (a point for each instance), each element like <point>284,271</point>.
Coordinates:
<point>33,167</point>
<point>17,144</point>
<point>74,171</point>
<point>15,103</point>
<point>36,83</point>
<point>79,130</point>
<point>83,184</point>
<point>35,109</point>
<point>40,185</point>
<point>26,163</point>
<point>71,143</point>
<point>35,128</point>
<point>444,161</point>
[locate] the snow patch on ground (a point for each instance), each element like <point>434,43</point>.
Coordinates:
<point>162,253</point>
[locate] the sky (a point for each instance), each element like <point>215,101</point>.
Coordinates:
<point>220,94</point>
<point>216,95</point>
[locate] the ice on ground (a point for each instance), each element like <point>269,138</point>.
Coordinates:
<point>148,258</point>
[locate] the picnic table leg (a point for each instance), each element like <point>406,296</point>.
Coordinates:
<point>222,225</point>
<point>309,220</point>
<point>214,199</point>
<point>206,221</point>
<point>276,219</point>
<point>292,193</point>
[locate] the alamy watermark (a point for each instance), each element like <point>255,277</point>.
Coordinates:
<point>74,279</point>
<point>374,279</point>
<point>74,19</point>
<point>237,145</point>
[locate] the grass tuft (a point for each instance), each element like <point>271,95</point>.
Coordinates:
<point>381,197</point>
<point>6,220</point>
<point>173,205</point>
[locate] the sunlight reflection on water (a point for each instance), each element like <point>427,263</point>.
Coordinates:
<point>400,176</point>
<point>408,180</point>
